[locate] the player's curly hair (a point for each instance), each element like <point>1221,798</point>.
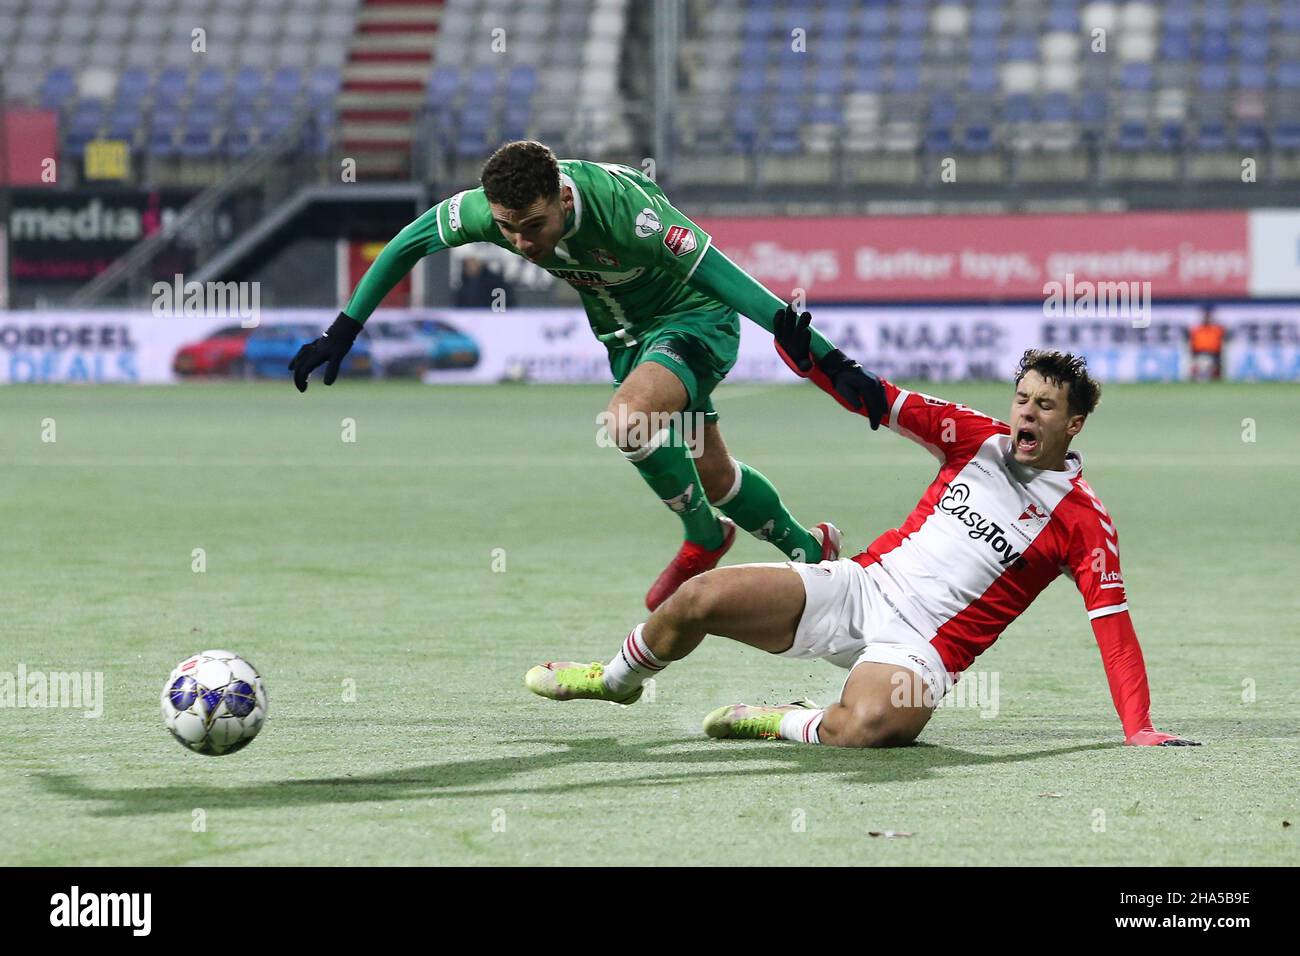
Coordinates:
<point>520,173</point>
<point>1066,369</point>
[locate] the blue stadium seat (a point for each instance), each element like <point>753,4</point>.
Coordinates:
<point>869,78</point>
<point>1253,48</point>
<point>828,80</point>
<point>1252,75</point>
<point>1212,138</point>
<point>162,132</point>
<point>909,50</point>
<point>323,86</point>
<point>286,84</point>
<point>1250,136</point>
<point>1136,76</point>
<point>133,86</point>
<point>875,21</point>
<point>1255,17</point>
<point>1287,136</point>
<point>986,21</point>
<point>124,123</point>
<point>1214,77</point>
<point>444,84</point>
<point>1131,137</point>
<point>522,82</point>
<point>1063,18</point>
<point>171,87</point>
<point>1215,47</point>
<point>983,77</point>
<point>1175,45</point>
<point>1170,137</point>
<point>1022,47</point>
<point>1288,75</point>
<point>1017,108</point>
<point>977,138</point>
<point>248,87</point>
<point>906,78</point>
<point>58,88</point>
<point>1093,110</point>
<point>1056,108</point>
<point>210,86</point>
<point>1216,18</point>
<point>984,51</point>
<point>869,50</point>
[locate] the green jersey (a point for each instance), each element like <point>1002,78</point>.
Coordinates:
<point>634,259</point>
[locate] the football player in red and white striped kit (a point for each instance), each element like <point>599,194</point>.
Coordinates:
<point>1007,513</point>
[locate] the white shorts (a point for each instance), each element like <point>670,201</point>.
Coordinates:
<point>848,621</point>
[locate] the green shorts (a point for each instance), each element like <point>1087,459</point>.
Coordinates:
<point>698,347</point>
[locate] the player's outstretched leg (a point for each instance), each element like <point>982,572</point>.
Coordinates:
<point>749,499</point>
<point>756,604</point>
<point>882,705</point>
<point>639,418</point>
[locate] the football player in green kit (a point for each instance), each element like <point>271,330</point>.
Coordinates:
<point>664,302</point>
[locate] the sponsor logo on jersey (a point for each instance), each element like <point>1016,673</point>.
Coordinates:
<point>669,351</point>
<point>954,502</point>
<point>605,258</point>
<point>586,277</point>
<point>679,240</point>
<point>647,224</point>
<point>453,211</point>
<point>1111,579</point>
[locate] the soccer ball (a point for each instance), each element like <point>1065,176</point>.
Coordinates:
<point>214,703</point>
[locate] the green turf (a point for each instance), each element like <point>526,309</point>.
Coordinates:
<point>372,562</point>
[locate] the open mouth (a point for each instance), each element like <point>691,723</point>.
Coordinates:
<point>1026,442</point>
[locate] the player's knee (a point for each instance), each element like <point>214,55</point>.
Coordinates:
<point>695,601</point>
<point>873,724</point>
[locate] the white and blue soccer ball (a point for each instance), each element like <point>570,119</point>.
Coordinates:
<point>214,703</point>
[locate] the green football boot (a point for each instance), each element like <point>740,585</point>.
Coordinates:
<point>568,680</point>
<point>744,722</point>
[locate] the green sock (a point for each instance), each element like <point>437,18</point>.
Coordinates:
<point>670,472</point>
<point>755,505</point>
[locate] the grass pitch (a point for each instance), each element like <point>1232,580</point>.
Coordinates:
<point>362,579</point>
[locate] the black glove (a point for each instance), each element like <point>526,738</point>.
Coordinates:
<point>794,339</point>
<point>330,347</point>
<point>847,382</point>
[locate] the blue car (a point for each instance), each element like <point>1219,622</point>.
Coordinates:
<point>271,348</point>
<point>449,347</point>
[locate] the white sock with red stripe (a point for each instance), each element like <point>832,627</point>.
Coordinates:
<point>632,664</point>
<point>802,726</point>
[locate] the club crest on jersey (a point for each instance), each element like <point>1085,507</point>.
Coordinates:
<point>1032,514</point>
<point>981,528</point>
<point>679,240</point>
<point>605,258</point>
<point>647,224</point>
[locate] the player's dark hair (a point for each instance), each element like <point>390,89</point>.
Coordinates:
<point>520,173</point>
<point>1065,369</point>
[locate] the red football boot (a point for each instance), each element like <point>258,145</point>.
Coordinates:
<point>831,540</point>
<point>690,561</point>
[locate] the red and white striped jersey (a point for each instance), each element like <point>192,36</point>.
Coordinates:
<point>989,534</point>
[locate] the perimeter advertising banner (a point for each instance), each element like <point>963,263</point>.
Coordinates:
<point>936,344</point>
<point>1188,254</point>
